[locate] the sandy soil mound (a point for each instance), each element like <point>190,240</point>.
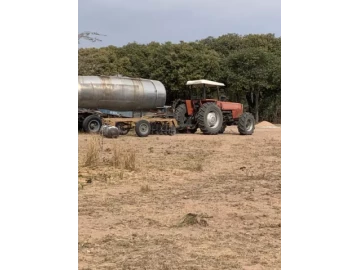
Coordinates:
<point>265,124</point>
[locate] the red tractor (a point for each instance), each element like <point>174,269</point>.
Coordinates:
<point>211,115</point>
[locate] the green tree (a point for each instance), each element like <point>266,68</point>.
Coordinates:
<point>224,44</point>
<point>250,67</point>
<point>174,64</point>
<point>103,61</point>
<point>252,72</point>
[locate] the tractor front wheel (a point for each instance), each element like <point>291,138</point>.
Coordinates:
<point>246,124</point>
<point>210,119</point>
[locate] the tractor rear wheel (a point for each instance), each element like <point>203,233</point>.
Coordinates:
<point>246,124</point>
<point>210,118</point>
<point>180,116</point>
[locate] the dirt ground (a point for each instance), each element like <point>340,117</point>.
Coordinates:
<point>135,192</point>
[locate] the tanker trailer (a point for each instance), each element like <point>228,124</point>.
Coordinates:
<point>115,93</point>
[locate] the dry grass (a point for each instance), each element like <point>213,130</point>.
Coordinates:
<point>195,166</point>
<point>123,158</point>
<point>117,156</point>
<point>92,153</point>
<point>130,161</point>
<point>192,219</point>
<point>116,159</point>
<point>198,167</point>
<point>121,175</point>
<point>145,189</point>
<point>133,215</point>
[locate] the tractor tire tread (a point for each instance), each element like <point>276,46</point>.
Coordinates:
<point>88,119</point>
<point>242,124</point>
<point>138,132</point>
<point>201,119</point>
<point>180,111</point>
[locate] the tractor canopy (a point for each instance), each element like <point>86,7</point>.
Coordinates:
<point>199,83</point>
<point>205,84</point>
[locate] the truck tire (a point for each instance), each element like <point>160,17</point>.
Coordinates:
<point>143,128</point>
<point>210,118</point>
<point>92,124</point>
<point>246,124</point>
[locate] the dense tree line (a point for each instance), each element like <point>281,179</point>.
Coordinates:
<point>250,67</point>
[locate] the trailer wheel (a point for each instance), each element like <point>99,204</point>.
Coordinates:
<point>123,130</point>
<point>246,124</point>
<point>142,128</point>
<point>92,124</point>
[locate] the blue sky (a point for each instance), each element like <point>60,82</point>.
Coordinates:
<point>144,21</point>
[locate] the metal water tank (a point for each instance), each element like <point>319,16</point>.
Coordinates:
<point>120,93</point>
